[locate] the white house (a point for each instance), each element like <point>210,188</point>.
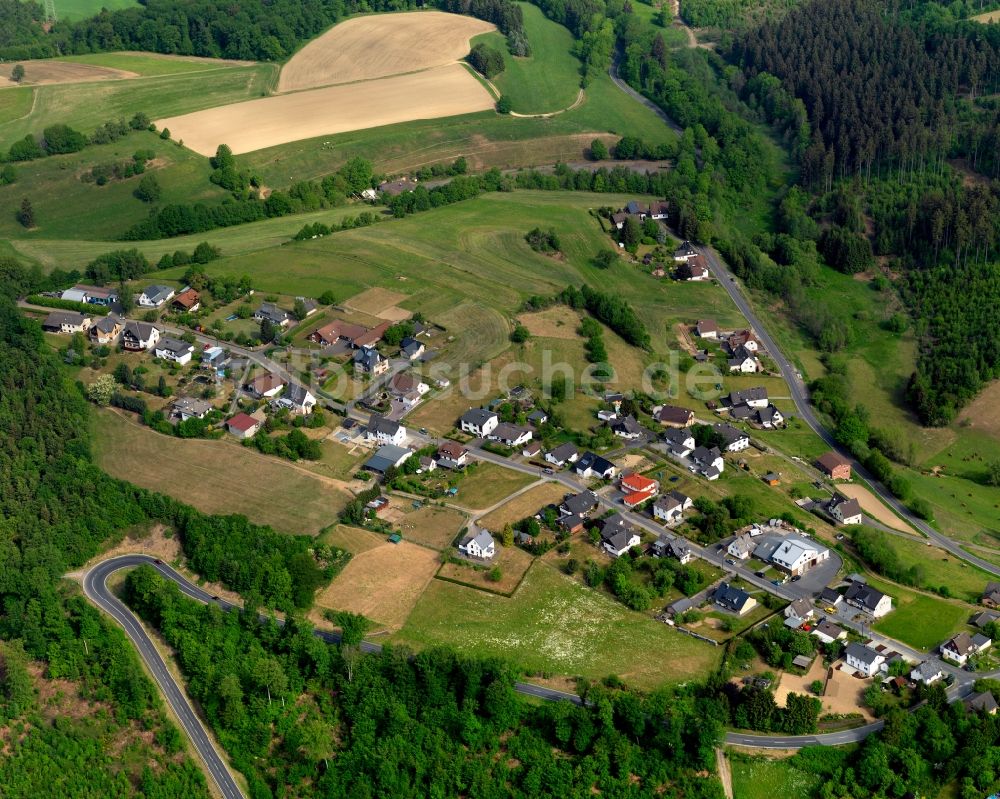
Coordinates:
<point>139,336</point>
<point>480,546</point>
<point>734,440</point>
<point>707,462</point>
<point>385,431</point>
<point>171,349</point>
<point>563,454</point>
<point>299,399</point>
<point>744,362</point>
<point>844,510</point>
<point>963,646</point>
<point>190,408</point>
<point>591,465</point>
<point>870,600</point>
<point>928,672</point>
<point>679,441</point>
<point>797,555</point>
<point>510,435</point>
<point>685,251</point>
<point>618,536</point>
<point>741,546</point>
<point>479,422</point>
<point>670,507</point>
<point>155,296</point>
<point>827,632</point>
<point>863,660</point>
<point>755,397</point>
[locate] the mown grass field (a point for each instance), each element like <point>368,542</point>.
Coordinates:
<point>217,476</point>
<point>547,80</point>
<point>81,9</point>
<point>918,619</point>
<point>87,105</point>
<point>554,624</point>
<point>150,64</point>
<point>764,778</point>
<point>15,103</point>
<point>487,484</point>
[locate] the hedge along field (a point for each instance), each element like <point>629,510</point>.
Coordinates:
<point>86,106</point>
<point>549,79</point>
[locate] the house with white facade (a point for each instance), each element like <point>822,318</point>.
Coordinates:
<point>618,536</point>
<point>870,600</point>
<point>844,510</point>
<point>155,296</point>
<point>798,555</point>
<point>479,422</point>
<point>963,646</point>
<point>480,546</point>
<point>139,336</point>
<point>385,431</point>
<point>862,659</point>
<point>175,350</point>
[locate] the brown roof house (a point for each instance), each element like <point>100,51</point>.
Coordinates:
<point>673,416</point>
<point>265,385</point>
<point>187,301</point>
<point>834,465</point>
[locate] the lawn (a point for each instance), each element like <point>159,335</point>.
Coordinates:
<point>526,504</point>
<point>430,525</point>
<point>513,562</point>
<point>68,10</point>
<point>764,778</point>
<point>15,103</point>
<point>554,624</point>
<point>217,476</point>
<point>486,484</point>
<point>920,620</point>
<point>549,79</point>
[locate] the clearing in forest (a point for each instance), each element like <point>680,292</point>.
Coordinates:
<point>380,45</point>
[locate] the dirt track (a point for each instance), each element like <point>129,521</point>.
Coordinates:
<point>376,46</point>
<point>256,124</point>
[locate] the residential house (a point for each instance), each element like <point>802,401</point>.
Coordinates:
<point>670,507</point>
<point>216,359</point>
<point>634,208</point>
<point>685,251</point>
<point>742,546</point>
<point>827,632</point>
<point>672,546</point>
<point>743,338</point>
<point>369,360</point>
<point>870,600</point>
<point>537,417</point>
<point>679,441</point>
<point>618,219</point>
<point>755,397</point>
<point>844,510</point>
<point>980,620</point>
<point>427,465</point>
<point>479,422</point>
<point>963,646</point>
<point>862,659</point>
<point>981,702</point>
<point>155,296</point>
<point>707,328</point>
<point>733,440</point>
<point>385,431</point>
<point>769,418</point>
<point>707,462</point>
<point>335,331</point>
<point>139,336</point>
<point>386,457</point>
<point>265,386</point>
<point>67,322</point>
<point>798,555</point>
<point>673,416</point>
<point>928,672</point>
<point>407,389</point>
<point>531,449</point>
<point>270,312</point>
<point>93,295</point>
<point>106,329</point>
<point>187,301</point>
<point>834,465</point>
<point>511,435</point>
<point>694,268</point>
<point>309,306</point>
<point>735,600</point>
<point>627,427</point>
<point>481,546</point>
<point>659,210</point>
<point>991,595</point>
<point>451,455</point>
<point>243,426</point>
<point>638,489</point>
<point>800,609</point>
<point>190,408</point>
<point>411,349</point>
<point>298,399</point>
<point>175,350</point>
<point>829,597</point>
<point>743,361</point>
<point>618,536</point>
<point>372,335</point>
<point>578,504</point>
<point>591,465</point>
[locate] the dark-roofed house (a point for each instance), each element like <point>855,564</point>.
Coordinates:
<point>369,360</point>
<point>981,702</point>
<point>139,336</point>
<point>671,546</point>
<point>479,422</point>
<point>66,322</point>
<point>735,600</point>
<point>385,431</point>
<point>733,440</point>
<point>673,416</point>
<point>243,426</point>
<point>591,465</point>
<point>769,417</point>
<point>410,348</point>
<point>707,461</point>
<point>870,600</point>
<point>155,296</point>
<point>106,329</point>
<point>685,251</point>
<point>862,659</point>
<point>670,507</point>
<point>563,454</point>
<point>844,510</point>
<point>190,408</point>
<point>298,399</point>
<point>834,465</point>
<point>744,361</point>
<point>578,504</point>
<point>510,435</point>
<point>618,536</point>
<point>626,427</point>
<point>800,609</point>
<point>828,632</point>
<point>273,314</point>
<point>679,441</point>
<point>928,672</point>
<point>829,597</point>
<point>755,397</point>
<point>980,620</point>
<point>309,306</point>
<point>991,595</point>
<point>963,646</point>
<point>173,349</point>
<point>387,456</point>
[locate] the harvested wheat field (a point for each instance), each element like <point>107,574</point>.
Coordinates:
<point>383,583</point>
<point>253,125</point>
<point>44,72</point>
<point>873,506</point>
<point>555,322</point>
<point>381,45</point>
<point>374,300</point>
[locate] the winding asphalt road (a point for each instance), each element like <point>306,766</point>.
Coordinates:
<point>800,396</point>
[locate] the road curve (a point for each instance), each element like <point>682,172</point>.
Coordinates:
<point>800,397</point>
<point>96,588</point>
<point>798,741</point>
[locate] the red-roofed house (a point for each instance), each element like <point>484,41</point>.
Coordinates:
<point>243,426</point>
<point>638,489</point>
